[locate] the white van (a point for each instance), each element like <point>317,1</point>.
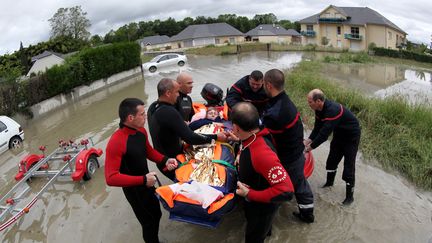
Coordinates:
<point>11,134</point>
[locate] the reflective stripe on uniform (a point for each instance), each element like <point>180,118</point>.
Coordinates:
<point>303,206</point>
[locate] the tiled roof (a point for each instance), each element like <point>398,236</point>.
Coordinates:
<point>45,54</point>
<point>154,40</point>
<point>357,16</point>
<point>206,30</point>
<point>271,30</point>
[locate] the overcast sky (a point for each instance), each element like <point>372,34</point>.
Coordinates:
<point>27,20</point>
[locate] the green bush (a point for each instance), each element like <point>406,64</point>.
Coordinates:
<point>402,54</point>
<point>83,68</point>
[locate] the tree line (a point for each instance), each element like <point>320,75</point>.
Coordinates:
<point>171,27</point>
<point>69,33</point>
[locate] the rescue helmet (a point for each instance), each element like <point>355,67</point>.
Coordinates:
<point>213,94</point>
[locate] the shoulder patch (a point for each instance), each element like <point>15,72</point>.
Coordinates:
<point>276,174</point>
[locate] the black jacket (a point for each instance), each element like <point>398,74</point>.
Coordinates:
<point>283,121</point>
<point>184,106</point>
<point>335,118</point>
<point>241,91</point>
<point>168,129</point>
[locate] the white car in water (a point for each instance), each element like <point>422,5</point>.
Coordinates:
<point>11,134</point>
<point>164,60</point>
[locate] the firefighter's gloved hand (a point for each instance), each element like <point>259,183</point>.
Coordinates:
<point>171,164</point>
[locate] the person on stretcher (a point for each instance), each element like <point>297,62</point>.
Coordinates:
<point>212,116</point>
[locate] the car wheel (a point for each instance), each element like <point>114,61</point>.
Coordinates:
<point>15,143</point>
<point>152,69</point>
<point>92,165</point>
<point>181,63</point>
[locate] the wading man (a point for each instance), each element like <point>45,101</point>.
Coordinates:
<point>126,166</point>
<point>262,179</point>
<point>184,101</point>
<point>333,117</point>
<point>167,127</point>
<point>249,89</point>
<point>283,121</point>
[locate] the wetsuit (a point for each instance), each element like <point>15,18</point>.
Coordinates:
<point>346,130</point>
<point>184,106</point>
<point>168,129</point>
<point>241,91</point>
<point>126,166</point>
<point>283,121</point>
<point>259,167</point>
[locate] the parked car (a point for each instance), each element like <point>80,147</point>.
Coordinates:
<point>11,134</point>
<point>165,60</point>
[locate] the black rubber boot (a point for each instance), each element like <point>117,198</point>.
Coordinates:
<point>305,215</point>
<point>349,194</point>
<point>330,179</point>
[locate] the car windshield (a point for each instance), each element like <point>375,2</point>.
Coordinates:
<point>155,59</point>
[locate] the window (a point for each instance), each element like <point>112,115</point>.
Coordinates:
<point>309,27</point>
<point>338,30</point>
<point>2,126</point>
<point>232,40</point>
<point>164,58</point>
<point>355,32</point>
<point>217,41</point>
<point>389,35</point>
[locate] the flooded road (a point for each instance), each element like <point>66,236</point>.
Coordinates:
<point>386,209</point>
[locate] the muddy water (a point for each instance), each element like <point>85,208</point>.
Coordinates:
<point>383,80</point>
<point>387,208</point>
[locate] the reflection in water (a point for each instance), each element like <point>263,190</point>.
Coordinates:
<point>93,212</point>
<point>383,80</point>
<point>416,88</point>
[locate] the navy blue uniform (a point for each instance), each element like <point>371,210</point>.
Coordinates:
<point>283,121</point>
<point>241,91</point>
<point>346,130</point>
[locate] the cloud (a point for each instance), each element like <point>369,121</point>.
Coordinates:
<point>27,20</point>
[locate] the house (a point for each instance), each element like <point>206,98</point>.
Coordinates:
<point>206,34</point>
<point>44,61</point>
<point>268,33</point>
<point>154,42</point>
<point>353,28</point>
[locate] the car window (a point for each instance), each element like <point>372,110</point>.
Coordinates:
<point>155,59</point>
<point>172,56</point>
<point>164,58</point>
<point>2,126</point>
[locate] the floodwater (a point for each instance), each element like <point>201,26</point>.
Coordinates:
<point>383,80</point>
<point>387,208</point>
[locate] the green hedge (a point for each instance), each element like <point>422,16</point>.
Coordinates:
<point>83,68</point>
<point>379,51</point>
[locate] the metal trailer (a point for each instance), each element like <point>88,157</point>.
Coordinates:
<point>74,159</point>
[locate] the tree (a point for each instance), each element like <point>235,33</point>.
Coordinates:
<point>265,19</point>
<point>24,59</point>
<point>70,22</point>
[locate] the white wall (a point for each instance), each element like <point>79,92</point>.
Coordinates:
<point>44,63</point>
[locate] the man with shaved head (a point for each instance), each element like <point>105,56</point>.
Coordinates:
<point>283,121</point>
<point>331,117</point>
<point>262,179</point>
<point>184,101</point>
